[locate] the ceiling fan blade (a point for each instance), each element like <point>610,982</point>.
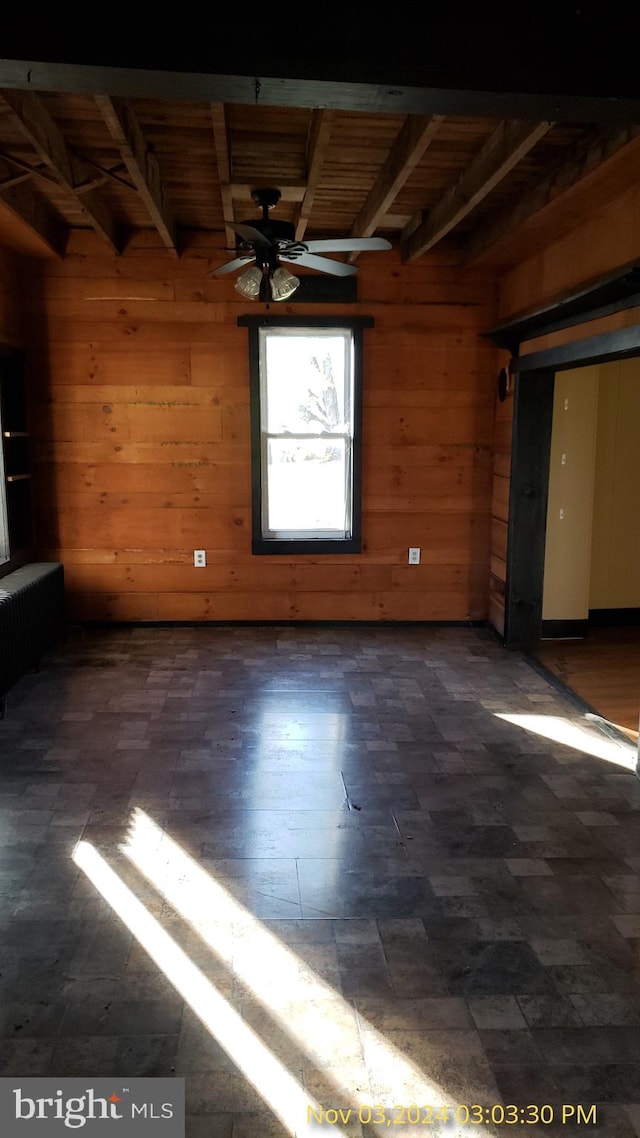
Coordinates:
<point>231,266</point>
<point>322,264</point>
<point>347,244</point>
<point>248,233</point>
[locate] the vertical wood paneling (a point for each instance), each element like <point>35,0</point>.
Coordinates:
<point>139,385</point>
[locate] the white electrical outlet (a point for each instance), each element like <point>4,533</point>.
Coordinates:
<point>414,555</point>
<point>199,558</point>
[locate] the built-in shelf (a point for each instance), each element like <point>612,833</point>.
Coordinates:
<point>16,522</point>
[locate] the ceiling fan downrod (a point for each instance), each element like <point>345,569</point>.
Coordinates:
<point>266,198</point>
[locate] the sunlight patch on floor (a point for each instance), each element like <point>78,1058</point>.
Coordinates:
<point>585,739</point>
<point>276,976</point>
<point>273,1082</point>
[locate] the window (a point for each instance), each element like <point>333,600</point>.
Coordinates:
<point>306,412</point>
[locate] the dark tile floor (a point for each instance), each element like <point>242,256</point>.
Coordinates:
<point>315,866</point>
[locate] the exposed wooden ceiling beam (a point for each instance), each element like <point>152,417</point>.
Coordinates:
<point>142,164</point>
<point>358,81</point>
<point>93,184</point>
<point>28,112</point>
<point>413,139</point>
<point>317,146</point>
<point>105,174</point>
<point>30,170</point>
<point>577,168</point>
<point>41,171</point>
<point>30,209</point>
<point>394,221</point>
<point>501,152</point>
<point>14,180</point>
<point>223,159</point>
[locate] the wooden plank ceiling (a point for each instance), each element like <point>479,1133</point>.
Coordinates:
<point>487,188</point>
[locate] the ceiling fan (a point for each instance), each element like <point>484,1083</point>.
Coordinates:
<point>267,243</point>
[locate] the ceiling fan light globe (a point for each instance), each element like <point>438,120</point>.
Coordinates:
<point>248,283</point>
<point>283,284</point>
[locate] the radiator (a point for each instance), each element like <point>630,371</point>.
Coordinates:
<point>31,619</point>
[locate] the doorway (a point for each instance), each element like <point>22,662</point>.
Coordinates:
<point>590,635</point>
<point>592,538</point>
<point>531,492</point>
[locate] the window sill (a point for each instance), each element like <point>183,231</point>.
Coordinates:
<point>264,545</point>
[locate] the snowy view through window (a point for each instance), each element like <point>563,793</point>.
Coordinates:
<point>306,431</point>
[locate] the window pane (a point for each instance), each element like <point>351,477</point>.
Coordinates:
<point>306,485</point>
<point>305,384</point>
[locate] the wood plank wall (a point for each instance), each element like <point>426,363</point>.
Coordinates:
<point>139,408</point>
<point>605,242</point>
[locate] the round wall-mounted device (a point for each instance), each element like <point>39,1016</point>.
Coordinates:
<point>503,383</point>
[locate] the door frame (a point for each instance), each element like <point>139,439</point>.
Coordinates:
<point>529,488</point>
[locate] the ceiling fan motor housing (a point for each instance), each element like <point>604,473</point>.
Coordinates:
<point>266,197</point>
<point>275,231</point>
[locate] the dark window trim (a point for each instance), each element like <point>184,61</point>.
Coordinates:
<point>259,544</point>
<point>268,321</point>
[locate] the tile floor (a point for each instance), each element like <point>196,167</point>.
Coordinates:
<point>313,866</point>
